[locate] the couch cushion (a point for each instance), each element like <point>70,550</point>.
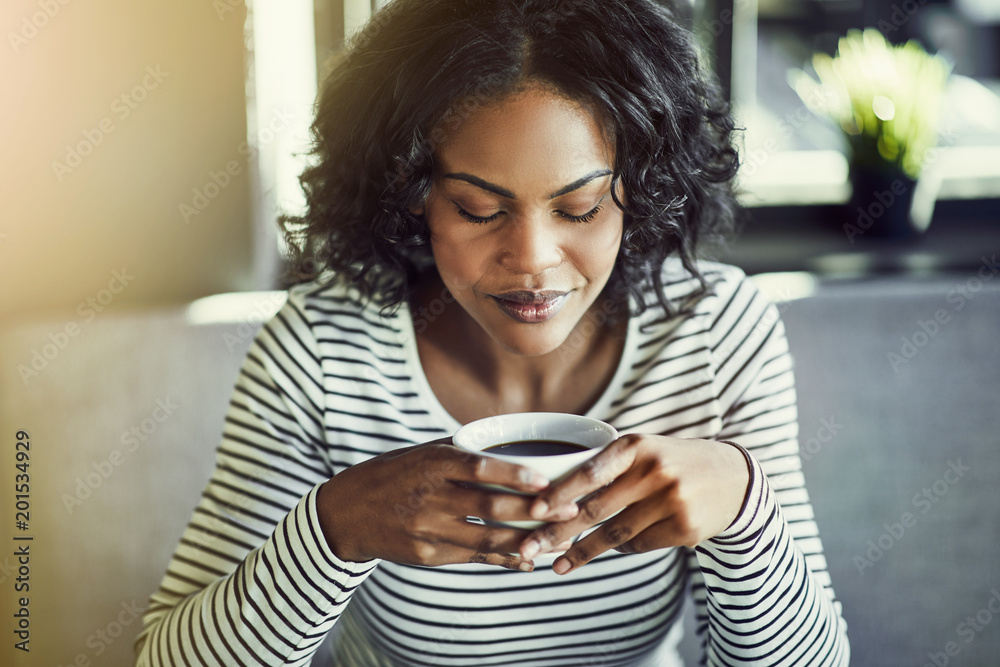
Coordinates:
<point>124,418</point>
<point>905,490</point>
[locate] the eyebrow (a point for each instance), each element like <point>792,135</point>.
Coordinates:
<point>504,192</point>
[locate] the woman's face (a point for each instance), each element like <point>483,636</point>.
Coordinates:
<point>523,227</point>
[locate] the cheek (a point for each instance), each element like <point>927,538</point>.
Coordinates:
<point>598,250</point>
<point>461,253</point>
<point>459,260</point>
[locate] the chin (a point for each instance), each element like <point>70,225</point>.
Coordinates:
<point>530,343</point>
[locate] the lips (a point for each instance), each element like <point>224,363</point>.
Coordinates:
<point>530,307</point>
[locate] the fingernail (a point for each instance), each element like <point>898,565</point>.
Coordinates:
<point>539,510</point>
<point>568,512</point>
<point>534,479</point>
<point>561,566</point>
<point>530,549</point>
<point>526,566</point>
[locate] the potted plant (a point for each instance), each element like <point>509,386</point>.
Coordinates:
<point>887,101</point>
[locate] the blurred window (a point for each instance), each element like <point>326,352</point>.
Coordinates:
<point>792,156</point>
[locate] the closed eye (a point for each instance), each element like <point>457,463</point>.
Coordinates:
<point>475,218</point>
<point>586,217</point>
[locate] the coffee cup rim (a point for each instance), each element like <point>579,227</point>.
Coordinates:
<point>463,436</point>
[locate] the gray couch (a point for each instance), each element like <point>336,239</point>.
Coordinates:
<point>902,461</point>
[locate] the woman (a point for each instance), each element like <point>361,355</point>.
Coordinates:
<point>503,217</point>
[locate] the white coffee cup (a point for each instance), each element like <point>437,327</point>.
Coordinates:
<point>517,427</point>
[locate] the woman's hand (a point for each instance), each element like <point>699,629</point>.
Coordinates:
<point>410,506</point>
<point>670,492</point>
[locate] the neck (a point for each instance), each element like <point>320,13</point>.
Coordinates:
<point>520,383</point>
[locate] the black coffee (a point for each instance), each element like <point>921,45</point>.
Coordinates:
<point>536,448</point>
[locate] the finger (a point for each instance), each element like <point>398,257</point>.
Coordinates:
<point>440,553</point>
<point>559,499</point>
<point>471,467</point>
<point>430,446</point>
<point>478,538</point>
<point>592,510</point>
<point>561,547</point>
<point>508,561</point>
<point>666,533</point>
<point>549,534</point>
<point>626,532</point>
<point>487,504</point>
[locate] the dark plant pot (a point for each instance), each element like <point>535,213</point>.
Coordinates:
<point>881,204</point>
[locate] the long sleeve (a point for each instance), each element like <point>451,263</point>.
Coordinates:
<point>761,589</point>
<point>253,581</point>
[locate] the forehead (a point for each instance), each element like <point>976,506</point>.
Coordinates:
<point>533,137</point>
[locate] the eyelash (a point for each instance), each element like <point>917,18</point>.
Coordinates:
<point>586,217</point>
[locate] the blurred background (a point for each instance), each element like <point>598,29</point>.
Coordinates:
<point>177,175</point>
<point>146,149</point>
<point>796,175</point>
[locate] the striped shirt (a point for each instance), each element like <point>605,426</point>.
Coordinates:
<point>330,382</point>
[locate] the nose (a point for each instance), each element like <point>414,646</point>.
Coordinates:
<point>530,245</point>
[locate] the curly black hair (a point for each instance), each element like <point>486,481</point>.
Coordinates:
<point>419,68</point>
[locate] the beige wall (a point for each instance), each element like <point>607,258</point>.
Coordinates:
<point>64,231</point>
